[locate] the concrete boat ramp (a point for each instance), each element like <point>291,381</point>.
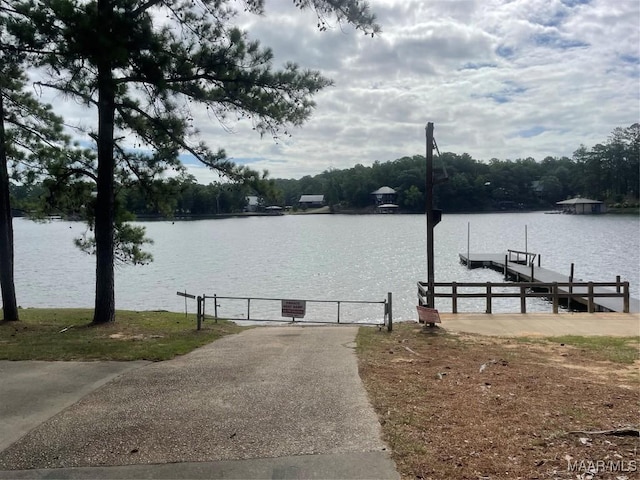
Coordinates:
<point>280,402</point>
<point>268,403</point>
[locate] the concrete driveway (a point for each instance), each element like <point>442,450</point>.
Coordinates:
<point>33,392</point>
<point>283,402</point>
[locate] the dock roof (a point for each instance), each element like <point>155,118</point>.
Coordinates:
<point>311,198</point>
<point>577,200</point>
<point>384,191</point>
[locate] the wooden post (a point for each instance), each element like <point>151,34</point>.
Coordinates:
<point>570,288</point>
<point>539,260</point>
<point>555,297</point>
<point>199,313</point>
<point>204,300</point>
<point>617,283</point>
<point>532,280</point>
<point>488,297</point>
<point>590,298</point>
<point>468,245</point>
<point>454,297</point>
<point>506,259</point>
<point>338,311</point>
<point>523,300</point>
<point>186,315</point>
<point>215,307</point>
<point>390,312</point>
<point>625,299</point>
<point>430,217</point>
<point>249,309</point>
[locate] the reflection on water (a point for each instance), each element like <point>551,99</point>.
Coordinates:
<point>324,257</point>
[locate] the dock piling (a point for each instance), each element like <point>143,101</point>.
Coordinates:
<point>532,277</point>
<point>506,261</point>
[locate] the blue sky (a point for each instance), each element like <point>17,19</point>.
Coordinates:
<point>502,79</point>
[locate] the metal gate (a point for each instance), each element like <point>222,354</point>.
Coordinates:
<point>298,311</point>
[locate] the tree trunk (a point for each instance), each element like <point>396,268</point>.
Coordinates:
<point>105,200</point>
<point>9,303</point>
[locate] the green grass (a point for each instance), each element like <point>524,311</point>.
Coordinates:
<point>624,350</point>
<point>66,334</point>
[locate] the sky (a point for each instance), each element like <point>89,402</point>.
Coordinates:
<point>502,79</point>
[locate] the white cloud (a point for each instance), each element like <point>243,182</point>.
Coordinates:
<point>499,78</point>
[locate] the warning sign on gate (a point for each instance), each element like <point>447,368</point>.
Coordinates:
<point>294,308</point>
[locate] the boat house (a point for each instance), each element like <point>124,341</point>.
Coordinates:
<point>384,195</point>
<point>385,200</point>
<point>581,206</point>
<point>311,201</point>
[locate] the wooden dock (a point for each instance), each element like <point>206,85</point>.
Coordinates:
<point>521,268</point>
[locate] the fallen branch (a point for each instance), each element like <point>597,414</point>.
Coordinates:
<point>411,351</point>
<point>619,432</point>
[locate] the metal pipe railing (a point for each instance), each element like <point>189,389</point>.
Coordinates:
<point>387,312</point>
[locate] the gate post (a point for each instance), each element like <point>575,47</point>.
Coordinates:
<point>625,298</point>
<point>454,297</point>
<point>390,311</point>
<point>199,312</point>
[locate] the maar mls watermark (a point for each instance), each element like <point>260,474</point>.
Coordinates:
<point>602,466</point>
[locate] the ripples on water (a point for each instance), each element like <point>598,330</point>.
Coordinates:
<point>324,257</point>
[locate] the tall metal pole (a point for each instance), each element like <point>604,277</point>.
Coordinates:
<point>430,219</point>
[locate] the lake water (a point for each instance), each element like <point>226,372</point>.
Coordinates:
<point>323,257</point>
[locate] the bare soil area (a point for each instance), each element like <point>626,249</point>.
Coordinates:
<point>461,406</point>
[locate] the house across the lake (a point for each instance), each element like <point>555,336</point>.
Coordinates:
<point>253,203</point>
<point>384,195</point>
<point>581,206</point>
<point>385,200</point>
<point>311,201</point>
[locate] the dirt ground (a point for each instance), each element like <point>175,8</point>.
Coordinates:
<point>462,406</point>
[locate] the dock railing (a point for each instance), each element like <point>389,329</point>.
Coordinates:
<point>523,258</point>
<point>574,292</point>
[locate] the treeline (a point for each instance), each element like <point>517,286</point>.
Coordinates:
<point>608,172</point>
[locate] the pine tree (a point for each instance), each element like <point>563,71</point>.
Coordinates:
<point>141,64</point>
<point>30,135</point>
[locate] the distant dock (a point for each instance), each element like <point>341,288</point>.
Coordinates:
<point>520,266</point>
